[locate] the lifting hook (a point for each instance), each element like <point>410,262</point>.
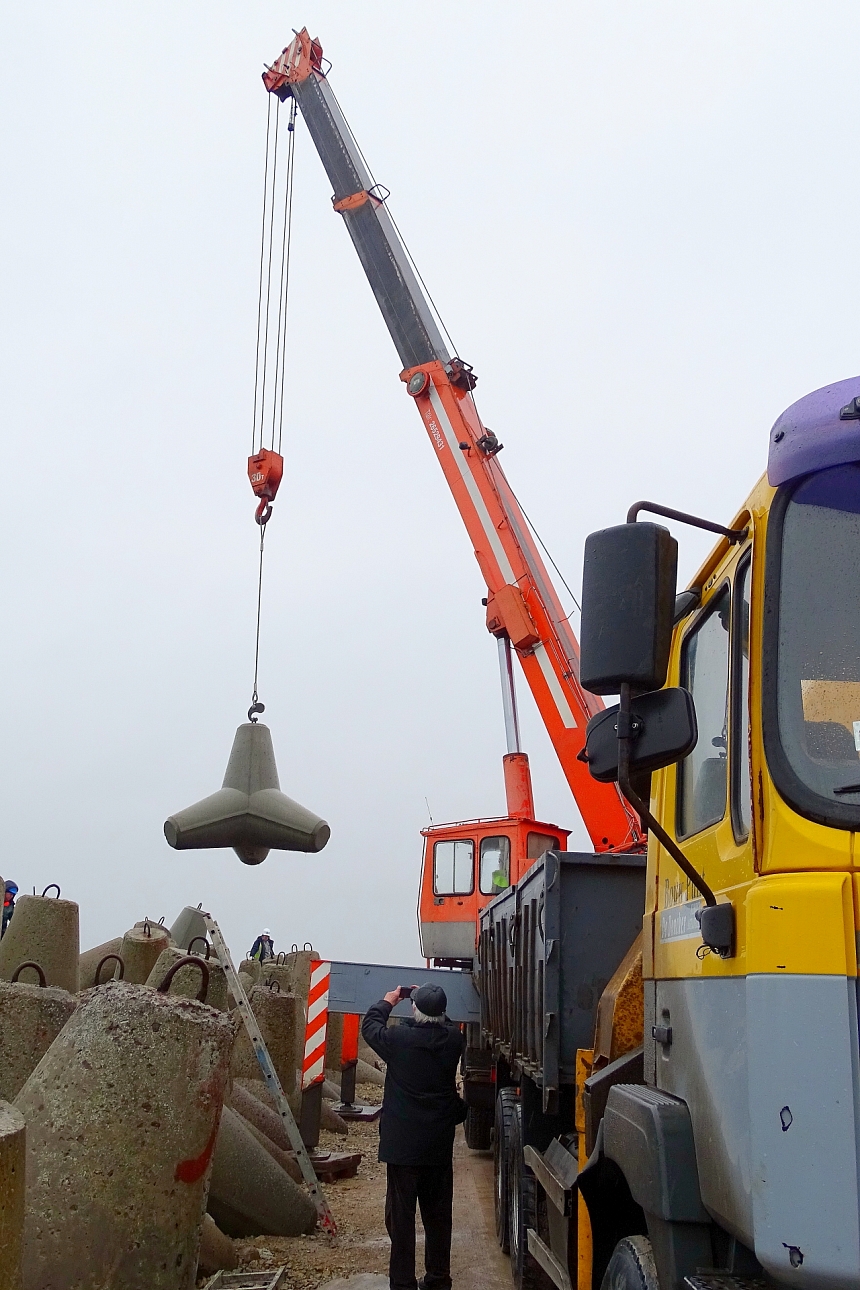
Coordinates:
<point>255,708</point>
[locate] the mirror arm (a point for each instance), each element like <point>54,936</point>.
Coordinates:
<point>717,921</point>
<point>733,535</point>
<point>625,739</point>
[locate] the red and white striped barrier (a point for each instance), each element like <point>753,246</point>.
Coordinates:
<point>313,1066</point>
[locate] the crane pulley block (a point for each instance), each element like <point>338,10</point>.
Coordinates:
<point>265,471</point>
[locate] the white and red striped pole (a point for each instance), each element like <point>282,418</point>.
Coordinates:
<point>313,1062</point>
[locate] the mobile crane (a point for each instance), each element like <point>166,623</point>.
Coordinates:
<point>671,1039</point>
<point>522,607</point>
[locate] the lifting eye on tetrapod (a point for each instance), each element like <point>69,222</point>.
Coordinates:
<point>265,471</point>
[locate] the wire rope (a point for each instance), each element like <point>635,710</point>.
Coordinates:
<point>260,283</point>
<point>269,276</point>
<point>284,289</point>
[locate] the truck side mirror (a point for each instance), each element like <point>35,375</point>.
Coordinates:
<point>628,603</point>
<point>664,730</point>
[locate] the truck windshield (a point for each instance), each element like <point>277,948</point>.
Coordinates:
<point>818,646</point>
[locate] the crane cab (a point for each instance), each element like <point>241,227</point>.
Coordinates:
<point>466,864</point>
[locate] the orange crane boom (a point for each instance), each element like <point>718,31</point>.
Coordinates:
<point>522,604</point>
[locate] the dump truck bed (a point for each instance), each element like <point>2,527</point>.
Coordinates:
<point>547,949</point>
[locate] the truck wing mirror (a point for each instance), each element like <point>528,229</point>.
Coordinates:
<point>663,728</point>
<point>628,603</point>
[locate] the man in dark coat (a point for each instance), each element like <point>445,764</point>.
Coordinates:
<point>420,1111</point>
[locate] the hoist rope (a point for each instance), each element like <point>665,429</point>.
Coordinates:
<point>260,284</point>
<point>283,294</point>
<point>270,356</point>
<point>267,310</point>
<point>254,697</point>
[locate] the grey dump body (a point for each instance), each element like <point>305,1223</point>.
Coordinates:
<point>546,950</point>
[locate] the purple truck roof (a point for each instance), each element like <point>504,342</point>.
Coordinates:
<point>811,434</point>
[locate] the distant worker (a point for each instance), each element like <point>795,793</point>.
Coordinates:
<point>263,947</point>
<point>9,895</point>
<point>420,1111</point>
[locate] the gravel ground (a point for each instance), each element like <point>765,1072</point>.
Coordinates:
<point>357,1203</point>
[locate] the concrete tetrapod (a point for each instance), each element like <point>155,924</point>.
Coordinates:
<point>140,949</point>
<point>90,959</point>
<point>122,1115</point>
<point>188,925</point>
<point>12,1181</point>
<point>216,1250</point>
<point>251,1195</point>
<point>187,979</point>
<point>45,931</point>
<point>280,1018</point>
<point>249,813</point>
<point>30,1020</point>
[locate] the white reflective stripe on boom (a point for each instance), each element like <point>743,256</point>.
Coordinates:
<point>549,675</point>
<point>472,487</point>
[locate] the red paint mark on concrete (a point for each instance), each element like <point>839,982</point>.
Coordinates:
<point>191,1171</point>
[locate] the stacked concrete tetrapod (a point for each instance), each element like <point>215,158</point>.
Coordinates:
<point>280,1018</point>
<point>122,1116</point>
<point>30,1020</point>
<point>140,949</point>
<point>90,959</point>
<point>190,924</point>
<point>187,979</point>
<point>44,930</point>
<point>12,1175</point>
<point>251,1195</point>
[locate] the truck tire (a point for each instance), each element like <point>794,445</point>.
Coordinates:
<point>527,1273</point>
<point>631,1266</point>
<point>478,1128</point>
<point>505,1104</point>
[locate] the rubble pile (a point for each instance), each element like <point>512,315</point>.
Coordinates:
<point>136,1133</point>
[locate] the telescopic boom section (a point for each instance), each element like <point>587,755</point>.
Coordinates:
<point>521,602</point>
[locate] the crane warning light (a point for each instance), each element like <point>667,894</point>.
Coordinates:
<point>265,471</point>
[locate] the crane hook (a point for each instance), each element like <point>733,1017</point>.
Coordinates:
<point>256,707</point>
<point>263,512</point>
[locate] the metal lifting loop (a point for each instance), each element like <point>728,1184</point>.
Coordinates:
<point>20,968</point>
<point>256,707</point>
<point>192,960</point>
<point>280,959</point>
<point>147,930</point>
<point>206,945</point>
<point>48,888</point>
<point>273,985</point>
<point>107,959</point>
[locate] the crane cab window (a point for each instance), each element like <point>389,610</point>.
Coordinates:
<point>703,775</point>
<point>495,871</point>
<point>453,867</point>
<point>537,843</point>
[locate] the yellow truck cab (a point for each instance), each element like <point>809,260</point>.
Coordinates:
<point>758,1037</point>
<point>709,1136</point>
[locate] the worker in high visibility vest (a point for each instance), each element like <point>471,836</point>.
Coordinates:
<point>263,947</point>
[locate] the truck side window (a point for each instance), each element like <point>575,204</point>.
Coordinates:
<point>702,776</point>
<point>495,873</point>
<point>741,780</point>
<point>453,867</point>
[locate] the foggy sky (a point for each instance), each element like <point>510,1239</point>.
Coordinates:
<point>639,220</point>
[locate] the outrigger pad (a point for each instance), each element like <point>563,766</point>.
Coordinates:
<point>249,813</point>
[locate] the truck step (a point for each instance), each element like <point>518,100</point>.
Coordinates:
<point>272,1279</point>
<point>723,1281</point>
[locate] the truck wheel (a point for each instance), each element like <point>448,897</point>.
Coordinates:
<point>527,1273</point>
<point>631,1266</point>
<point>478,1129</point>
<point>505,1104</point>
